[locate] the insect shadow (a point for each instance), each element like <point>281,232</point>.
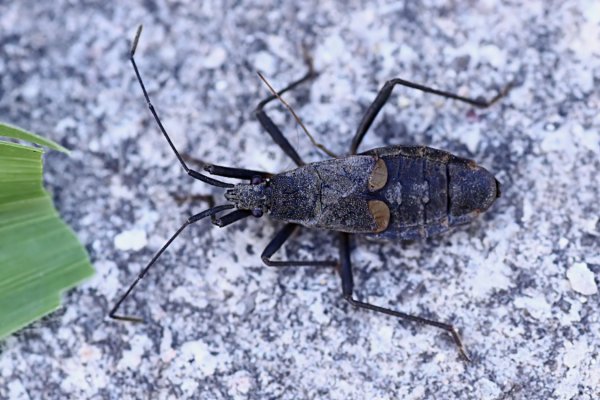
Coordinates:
<point>392,193</point>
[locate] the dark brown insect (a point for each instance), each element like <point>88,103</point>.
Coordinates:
<point>394,193</point>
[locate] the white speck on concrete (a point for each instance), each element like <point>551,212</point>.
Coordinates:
<point>89,354</point>
<point>318,312</point>
<point>470,136</point>
<point>16,390</point>
<point>118,190</point>
<point>148,220</point>
<point>568,386</point>
<point>122,130</point>
<point>167,353</point>
<point>488,273</point>
<point>574,313</point>
<point>184,294</point>
<point>132,357</point>
<point>31,88</point>
<point>177,127</point>
<point>536,306</point>
<point>582,279</point>
<point>239,383</point>
<point>199,352</point>
<point>65,124</point>
<point>215,58</point>
<point>134,239</point>
<point>106,279</point>
<point>589,225</point>
<point>265,63</point>
<point>563,242</point>
<point>593,259</point>
<point>587,138</point>
<point>487,389</point>
<point>557,141</point>
<point>221,85</point>
<point>528,210</point>
<point>403,101</point>
<point>408,54</point>
<point>575,353</point>
<point>493,54</point>
<point>329,50</point>
<point>381,338</point>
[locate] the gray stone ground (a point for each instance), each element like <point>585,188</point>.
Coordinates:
<point>521,283</point>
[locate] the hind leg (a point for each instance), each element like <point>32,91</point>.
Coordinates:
<point>386,91</point>
<point>347,290</point>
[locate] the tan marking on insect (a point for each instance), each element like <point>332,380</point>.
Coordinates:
<point>379,176</point>
<point>381,214</point>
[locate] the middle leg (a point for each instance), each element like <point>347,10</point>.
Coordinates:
<point>282,236</point>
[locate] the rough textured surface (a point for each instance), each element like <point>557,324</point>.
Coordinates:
<point>220,324</point>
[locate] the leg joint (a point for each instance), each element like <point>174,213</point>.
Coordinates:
<point>267,260</point>
<point>349,299</point>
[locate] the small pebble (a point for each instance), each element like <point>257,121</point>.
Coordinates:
<point>134,239</point>
<point>582,279</point>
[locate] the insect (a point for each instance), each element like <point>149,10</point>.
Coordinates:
<point>394,193</point>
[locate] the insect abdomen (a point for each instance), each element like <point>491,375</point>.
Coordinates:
<point>422,184</point>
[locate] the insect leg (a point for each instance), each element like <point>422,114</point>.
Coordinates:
<point>268,124</point>
<point>276,244</point>
<point>190,172</point>
<point>226,219</point>
<point>347,289</point>
<point>238,173</point>
<point>228,172</point>
<point>298,120</point>
<point>189,221</point>
<point>232,217</point>
<point>386,91</point>
<point>208,198</point>
<point>221,222</point>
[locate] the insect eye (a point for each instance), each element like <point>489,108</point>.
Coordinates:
<point>257,212</point>
<point>256,180</point>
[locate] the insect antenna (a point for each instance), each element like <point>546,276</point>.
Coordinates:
<point>195,218</point>
<point>190,172</point>
<point>291,110</point>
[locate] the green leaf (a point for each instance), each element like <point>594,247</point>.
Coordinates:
<point>10,131</point>
<point>40,256</point>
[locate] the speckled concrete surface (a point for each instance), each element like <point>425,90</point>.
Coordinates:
<point>521,283</point>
